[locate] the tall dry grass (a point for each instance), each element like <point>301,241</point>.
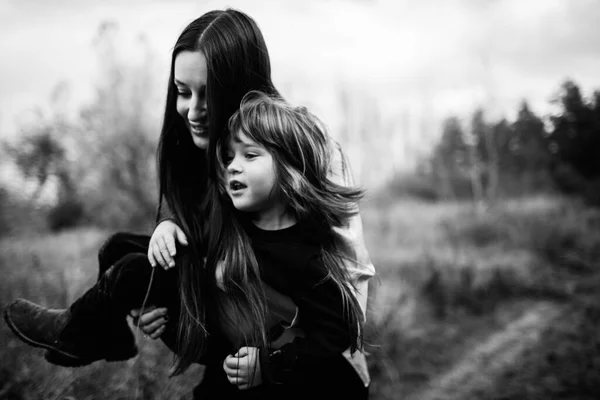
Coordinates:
<point>451,276</point>
<point>452,282</point>
<point>53,271</point>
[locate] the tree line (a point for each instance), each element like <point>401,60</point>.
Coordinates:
<point>489,160</point>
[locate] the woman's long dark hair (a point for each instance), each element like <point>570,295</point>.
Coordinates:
<point>237,62</point>
<point>301,151</point>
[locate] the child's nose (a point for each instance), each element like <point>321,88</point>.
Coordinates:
<point>233,167</point>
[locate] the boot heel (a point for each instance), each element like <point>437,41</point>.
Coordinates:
<point>56,358</point>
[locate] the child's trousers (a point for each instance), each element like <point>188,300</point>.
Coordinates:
<point>129,253</point>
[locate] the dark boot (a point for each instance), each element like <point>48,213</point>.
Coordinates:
<point>41,327</point>
<point>95,326</point>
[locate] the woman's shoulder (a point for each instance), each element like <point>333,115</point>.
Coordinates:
<point>339,166</point>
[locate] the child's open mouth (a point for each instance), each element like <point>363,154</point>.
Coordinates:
<point>236,185</point>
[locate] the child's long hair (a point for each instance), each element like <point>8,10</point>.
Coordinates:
<point>301,152</point>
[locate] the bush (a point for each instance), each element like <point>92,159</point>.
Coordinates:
<point>591,194</point>
<point>568,180</point>
<point>412,186</point>
<point>66,214</point>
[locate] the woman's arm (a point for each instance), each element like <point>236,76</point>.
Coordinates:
<point>358,261</point>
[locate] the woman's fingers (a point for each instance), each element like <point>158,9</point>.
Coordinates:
<point>151,314</point>
<point>231,366</point>
<point>158,332</point>
<point>236,372</point>
<point>152,319</point>
<point>135,314</point>
<point>242,352</point>
<point>238,381</point>
<point>153,327</point>
<point>152,322</point>
<point>232,362</point>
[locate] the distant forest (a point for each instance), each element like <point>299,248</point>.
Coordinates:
<point>486,161</point>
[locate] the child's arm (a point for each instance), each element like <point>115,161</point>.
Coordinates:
<point>162,246</point>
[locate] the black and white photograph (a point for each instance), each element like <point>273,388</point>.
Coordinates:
<point>300,199</point>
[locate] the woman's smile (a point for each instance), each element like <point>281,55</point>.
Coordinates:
<point>199,130</point>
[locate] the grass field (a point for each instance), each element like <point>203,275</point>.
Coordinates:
<point>501,303</point>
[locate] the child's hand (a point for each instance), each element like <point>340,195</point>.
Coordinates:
<point>162,248</point>
<point>243,368</point>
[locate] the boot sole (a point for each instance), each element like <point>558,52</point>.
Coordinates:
<point>65,359</point>
<point>58,358</point>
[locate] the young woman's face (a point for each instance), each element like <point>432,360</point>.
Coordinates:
<point>251,177</point>
<point>190,74</point>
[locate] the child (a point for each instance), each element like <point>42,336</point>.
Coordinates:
<point>274,173</point>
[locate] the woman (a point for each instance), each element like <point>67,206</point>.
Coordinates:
<point>217,59</point>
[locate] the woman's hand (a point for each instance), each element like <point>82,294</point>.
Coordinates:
<point>162,247</point>
<point>243,368</point>
<point>152,322</point>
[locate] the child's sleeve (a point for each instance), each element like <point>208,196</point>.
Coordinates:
<point>164,212</point>
<point>358,261</point>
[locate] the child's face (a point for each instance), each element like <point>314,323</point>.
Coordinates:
<point>251,177</point>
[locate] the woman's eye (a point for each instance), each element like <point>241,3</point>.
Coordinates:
<point>250,156</point>
<point>183,93</point>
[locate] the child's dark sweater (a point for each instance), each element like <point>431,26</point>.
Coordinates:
<point>290,262</point>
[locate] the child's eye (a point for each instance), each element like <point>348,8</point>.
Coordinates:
<point>250,156</point>
<point>183,93</point>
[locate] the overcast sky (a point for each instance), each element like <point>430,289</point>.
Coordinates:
<point>443,55</point>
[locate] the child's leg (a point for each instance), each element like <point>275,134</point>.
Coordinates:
<point>118,246</point>
<point>86,331</point>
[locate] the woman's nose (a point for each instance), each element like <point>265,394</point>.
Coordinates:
<point>197,110</point>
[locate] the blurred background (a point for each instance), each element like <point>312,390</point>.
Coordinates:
<point>474,125</point>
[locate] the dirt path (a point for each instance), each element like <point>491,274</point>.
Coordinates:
<point>478,368</point>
